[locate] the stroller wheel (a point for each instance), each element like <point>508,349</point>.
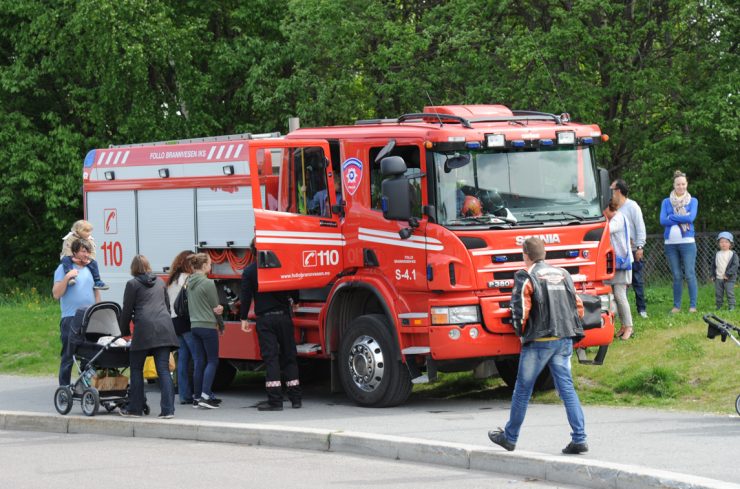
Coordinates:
<point>63,399</point>
<point>737,404</point>
<point>90,401</point>
<point>109,406</point>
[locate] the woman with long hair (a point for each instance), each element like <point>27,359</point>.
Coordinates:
<point>677,215</point>
<point>179,272</point>
<point>145,300</point>
<point>203,306</point>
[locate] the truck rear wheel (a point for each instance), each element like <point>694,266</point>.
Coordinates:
<point>508,368</point>
<point>369,370</point>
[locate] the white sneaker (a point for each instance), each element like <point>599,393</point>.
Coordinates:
<point>643,314</point>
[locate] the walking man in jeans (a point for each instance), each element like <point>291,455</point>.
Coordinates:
<point>545,312</point>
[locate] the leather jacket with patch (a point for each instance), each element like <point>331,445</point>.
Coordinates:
<point>544,304</point>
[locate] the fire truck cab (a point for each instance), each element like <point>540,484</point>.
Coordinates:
<point>402,235</point>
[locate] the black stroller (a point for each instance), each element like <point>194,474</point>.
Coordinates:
<point>110,357</point>
<point>719,327</point>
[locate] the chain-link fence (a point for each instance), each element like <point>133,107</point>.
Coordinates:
<point>656,264</point>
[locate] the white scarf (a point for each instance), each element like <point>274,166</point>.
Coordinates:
<point>679,208</point>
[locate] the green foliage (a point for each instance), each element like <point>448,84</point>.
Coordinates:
<point>661,78</point>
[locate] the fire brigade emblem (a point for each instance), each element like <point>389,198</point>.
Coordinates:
<point>352,175</point>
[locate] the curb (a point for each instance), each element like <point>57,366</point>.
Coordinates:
<point>577,471</point>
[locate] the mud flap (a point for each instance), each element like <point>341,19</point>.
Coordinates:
<point>598,359</point>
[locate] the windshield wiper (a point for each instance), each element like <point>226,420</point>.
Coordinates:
<point>554,213</point>
<point>488,219</point>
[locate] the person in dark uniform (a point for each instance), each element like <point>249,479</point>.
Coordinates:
<point>275,334</point>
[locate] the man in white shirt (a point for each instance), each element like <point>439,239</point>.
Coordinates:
<point>632,211</point>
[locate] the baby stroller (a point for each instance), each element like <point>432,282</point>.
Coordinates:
<point>717,326</point>
<point>95,339</point>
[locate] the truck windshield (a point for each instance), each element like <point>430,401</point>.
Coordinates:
<point>486,187</point>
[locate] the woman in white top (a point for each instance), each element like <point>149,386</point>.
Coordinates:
<point>179,273</point>
<point>619,233</point>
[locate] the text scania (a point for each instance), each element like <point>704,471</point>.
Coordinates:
<point>547,238</point>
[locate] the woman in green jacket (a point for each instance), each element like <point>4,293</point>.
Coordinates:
<point>203,306</point>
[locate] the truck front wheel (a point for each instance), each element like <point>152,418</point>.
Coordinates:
<point>369,369</point>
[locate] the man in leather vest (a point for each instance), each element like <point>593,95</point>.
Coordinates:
<point>546,313</point>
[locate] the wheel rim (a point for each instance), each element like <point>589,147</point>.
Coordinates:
<point>88,402</point>
<point>63,399</point>
<point>366,365</point>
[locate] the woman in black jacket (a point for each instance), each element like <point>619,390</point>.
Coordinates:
<point>145,302</point>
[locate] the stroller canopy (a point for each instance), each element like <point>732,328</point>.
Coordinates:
<point>98,320</point>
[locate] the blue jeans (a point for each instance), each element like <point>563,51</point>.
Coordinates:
<point>167,388</point>
<point>205,360</point>
<point>535,356</point>
<point>682,260</point>
<point>638,284</point>
<point>66,362</point>
<point>184,355</point>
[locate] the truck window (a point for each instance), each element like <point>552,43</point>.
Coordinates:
<point>298,183</point>
<point>410,155</point>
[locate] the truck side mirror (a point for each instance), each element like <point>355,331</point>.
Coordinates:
<point>395,189</point>
<point>605,183</point>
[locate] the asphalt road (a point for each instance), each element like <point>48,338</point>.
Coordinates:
<point>94,461</point>
<point>684,442</point>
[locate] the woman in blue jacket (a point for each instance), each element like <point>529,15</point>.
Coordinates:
<point>677,214</point>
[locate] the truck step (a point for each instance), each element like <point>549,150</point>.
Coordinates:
<point>308,348</point>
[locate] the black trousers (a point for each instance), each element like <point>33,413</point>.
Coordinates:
<point>277,345</point>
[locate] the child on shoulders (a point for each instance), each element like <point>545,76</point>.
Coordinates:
<point>81,230</point>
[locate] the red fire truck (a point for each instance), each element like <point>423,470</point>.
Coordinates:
<point>403,235</point>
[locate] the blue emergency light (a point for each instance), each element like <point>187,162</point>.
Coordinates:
<point>90,158</point>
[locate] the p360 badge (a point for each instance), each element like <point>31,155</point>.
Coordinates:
<point>495,284</point>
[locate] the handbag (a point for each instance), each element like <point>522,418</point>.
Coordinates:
<point>150,370</point>
<point>624,262</point>
<point>181,302</point>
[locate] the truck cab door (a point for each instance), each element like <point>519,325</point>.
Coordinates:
<point>297,233</point>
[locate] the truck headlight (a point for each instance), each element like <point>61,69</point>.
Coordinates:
<point>455,315</point>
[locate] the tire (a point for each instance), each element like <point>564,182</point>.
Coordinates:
<point>737,404</point>
<point>90,401</point>
<point>508,368</point>
<point>225,373</point>
<point>63,399</point>
<point>368,369</point>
